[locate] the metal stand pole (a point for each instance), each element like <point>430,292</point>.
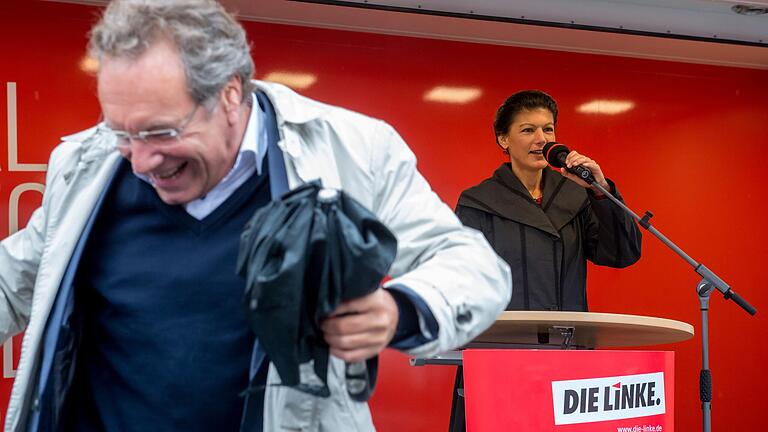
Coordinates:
<point>704,289</point>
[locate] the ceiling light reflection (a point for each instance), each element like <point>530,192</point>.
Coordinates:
<point>456,95</point>
<point>603,106</point>
<point>294,80</point>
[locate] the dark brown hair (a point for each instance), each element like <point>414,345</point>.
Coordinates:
<point>525,100</point>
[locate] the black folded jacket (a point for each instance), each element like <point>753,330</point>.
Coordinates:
<point>302,256</point>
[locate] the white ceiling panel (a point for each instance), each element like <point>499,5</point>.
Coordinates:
<point>675,30</point>
<point>713,19</point>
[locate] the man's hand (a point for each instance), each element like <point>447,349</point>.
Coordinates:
<point>361,328</point>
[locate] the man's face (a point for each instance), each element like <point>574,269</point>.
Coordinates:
<point>149,94</point>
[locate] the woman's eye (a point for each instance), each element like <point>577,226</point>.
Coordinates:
<point>549,130</point>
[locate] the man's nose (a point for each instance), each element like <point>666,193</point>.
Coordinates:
<point>144,158</point>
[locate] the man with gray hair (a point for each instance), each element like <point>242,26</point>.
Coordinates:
<point>125,277</point>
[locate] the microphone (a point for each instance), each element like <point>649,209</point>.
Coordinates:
<point>555,154</point>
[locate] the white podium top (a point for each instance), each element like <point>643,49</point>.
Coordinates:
<point>590,329</point>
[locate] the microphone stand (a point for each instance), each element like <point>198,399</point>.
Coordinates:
<point>709,282</point>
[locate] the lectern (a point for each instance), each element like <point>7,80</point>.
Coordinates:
<point>542,370</point>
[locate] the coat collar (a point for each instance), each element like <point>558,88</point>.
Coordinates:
<point>505,196</point>
<point>293,107</point>
<point>97,145</point>
<point>300,121</point>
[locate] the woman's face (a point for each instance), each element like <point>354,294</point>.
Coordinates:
<point>529,131</point>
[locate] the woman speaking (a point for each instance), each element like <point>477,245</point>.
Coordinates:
<point>546,224</point>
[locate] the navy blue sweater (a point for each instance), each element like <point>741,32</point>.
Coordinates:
<point>165,343</point>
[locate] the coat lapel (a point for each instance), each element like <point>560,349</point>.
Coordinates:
<point>278,180</point>
<point>505,196</point>
<point>305,143</point>
<point>87,183</point>
<point>563,199</point>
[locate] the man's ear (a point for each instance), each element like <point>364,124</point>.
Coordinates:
<point>232,97</point>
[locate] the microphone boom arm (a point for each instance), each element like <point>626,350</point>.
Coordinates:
<point>699,268</point>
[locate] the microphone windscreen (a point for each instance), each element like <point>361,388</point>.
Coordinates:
<point>552,151</point>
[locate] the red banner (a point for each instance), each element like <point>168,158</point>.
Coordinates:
<point>569,391</point>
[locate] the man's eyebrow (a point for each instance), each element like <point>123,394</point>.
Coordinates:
<point>159,125</point>
<point>154,126</point>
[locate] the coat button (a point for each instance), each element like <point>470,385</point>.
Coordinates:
<point>464,317</point>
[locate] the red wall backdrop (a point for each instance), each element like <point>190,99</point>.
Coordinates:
<point>690,150</point>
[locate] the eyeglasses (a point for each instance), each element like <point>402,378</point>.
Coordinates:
<point>155,137</point>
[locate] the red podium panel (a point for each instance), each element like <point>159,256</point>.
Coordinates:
<point>569,391</point>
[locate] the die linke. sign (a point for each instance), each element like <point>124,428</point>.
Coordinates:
<point>569,391</point>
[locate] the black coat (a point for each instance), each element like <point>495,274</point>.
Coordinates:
<point>547,246</point>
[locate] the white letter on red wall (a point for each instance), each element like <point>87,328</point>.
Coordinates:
<point>13,204</point>
<point>13,145</point>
